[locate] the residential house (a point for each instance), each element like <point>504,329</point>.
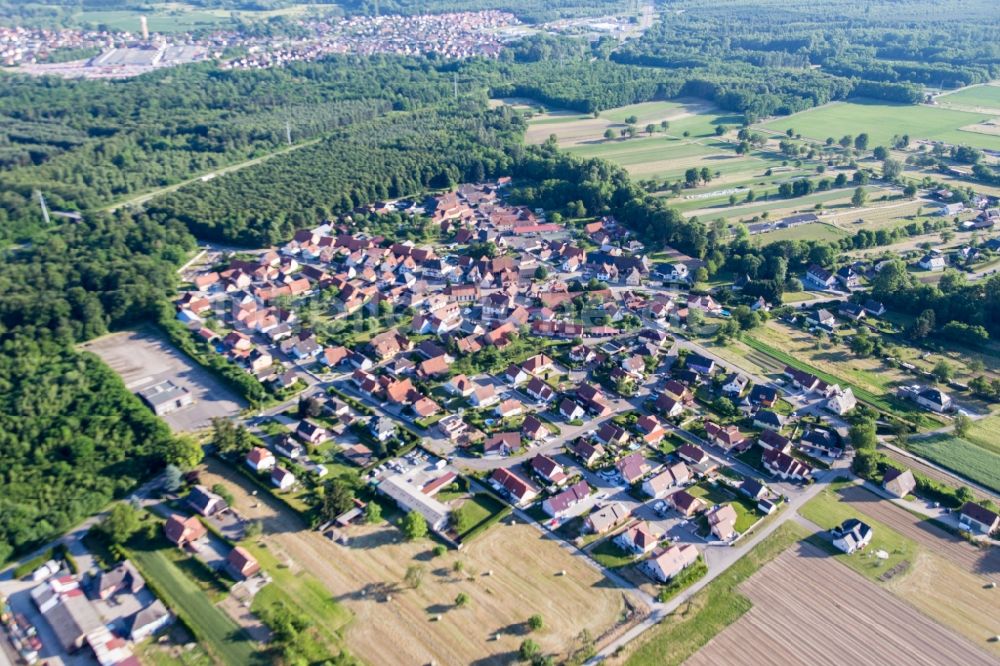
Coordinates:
<point>650,429</point>
<point>282,478</point>
<point>510,408</point>
<point>934,399</point>
<point>460,385</point>
<point>241,564</point>
<point>452,427</point>
<point>874,308</point>
<point>767,419</point>
<point>933,262</point>
<point>848,278</point>
<point>289,448</point>
<point>754,489</point>
<point>539,390</point>
<point>558,505</point>
<point>899,482</point>
<point>586,452</point>
<point>633,467</point>
<point>735,384</point>
<point>722,522</point>
<point>669,406</point>
<point>311,433</point>
<point>785,466</point>
<point>700,364</point>
<point>686,504</point>
<point>612,435</point>
<point>978,519</point>
<point>181,531</point>
<point>148,621</point>
<point>822,441</point>
<point>675,475</point>
<point>822,317</point>
<point>515,375</point>
<point>205,502</point>
<point>260,459</point>
<point>593,399</point>
<point>382,428</point>
<point>502,443</point>
<point>571,410</point>
<point>842,401</point>
<point>763,396</point>
<point>533,429</point>
<point>692,454</point>
<point>484,396</point>
<point>123,577</point>
<point>666,565</point>
<point>728,437</point>
<point>548,470</point>
<point>851,535</point>
<point>818,277</point>
<point>852,311</point>
<point>638,539</point>
<point>519,490</point>
<point>606,517</point>
<point>389,343</point>
<point>771,440</point>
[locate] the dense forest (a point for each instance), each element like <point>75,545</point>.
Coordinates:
<point>71,435</point>
<point>86,144</point>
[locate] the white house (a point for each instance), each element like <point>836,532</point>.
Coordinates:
<point>842,401</point>
<point>851,535</point>
<point>260,459</point>
<point>282,478</point>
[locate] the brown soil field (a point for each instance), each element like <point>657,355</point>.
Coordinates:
<point>984,562</point>
<point>808,609</point>
<point>510,573</point>
<point>953,597</point>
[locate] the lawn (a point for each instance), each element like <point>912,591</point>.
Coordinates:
<point>746,512</point>
<point>977,463</point>
<point>806,232</point>
<point>307,592</point>
<point>483,511</point>
<point>719,604</point>
<point>217,632</point>
<point>980,96</point>
<point>882,121</point>
<point>827,511</point>
<point>609,554</point>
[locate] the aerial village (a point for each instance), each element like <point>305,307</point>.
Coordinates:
<point>514,367</point>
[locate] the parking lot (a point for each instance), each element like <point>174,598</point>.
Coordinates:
<point>144,358</point>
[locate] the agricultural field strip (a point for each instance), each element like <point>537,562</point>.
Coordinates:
<point>970,558</point>
<point>833,616</point>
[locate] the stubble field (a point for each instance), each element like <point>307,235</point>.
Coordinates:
<point>363,575</point>
<point>807,608</point>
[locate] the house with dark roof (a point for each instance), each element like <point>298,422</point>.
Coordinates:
<point>763,396</point>
<point>519,490</point>
<point>559,504</point>
<point>585,451</point>
<point>205,502</point>
<point>686,504</point>
<point>819,278</point>
<point>765,418</point>
<point>633,467</point>
<point>978,519</point>
<point>851,535</point>
<point>700,364</point>
<point>548,470</point>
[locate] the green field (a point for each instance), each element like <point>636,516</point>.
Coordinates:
<point>962,457</point>
<point>610,555</point>
<point>979,96</point>
<point>719,604</point>
<point>827,511</point>
<point>882,121</point>
<point>220,635</point>
<point>986,433</point>
<point>815,232</point>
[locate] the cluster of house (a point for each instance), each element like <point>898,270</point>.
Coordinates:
<point>71,610</point>
<point>452,35</point>
<point>187,531</point>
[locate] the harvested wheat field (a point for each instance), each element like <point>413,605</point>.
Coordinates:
<point>953,597</point>
<point>396,624</point>
<point>809,609</point>
<point>983,562</point>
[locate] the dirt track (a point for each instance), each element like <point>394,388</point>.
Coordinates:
<point>982,562</point>
<point>402,631</point>
<point>810,609</point>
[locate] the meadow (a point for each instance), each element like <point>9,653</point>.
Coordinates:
<point>882,121</point>
<point>173,17</point>
<point>962,457</point>
<point>983,97</point>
